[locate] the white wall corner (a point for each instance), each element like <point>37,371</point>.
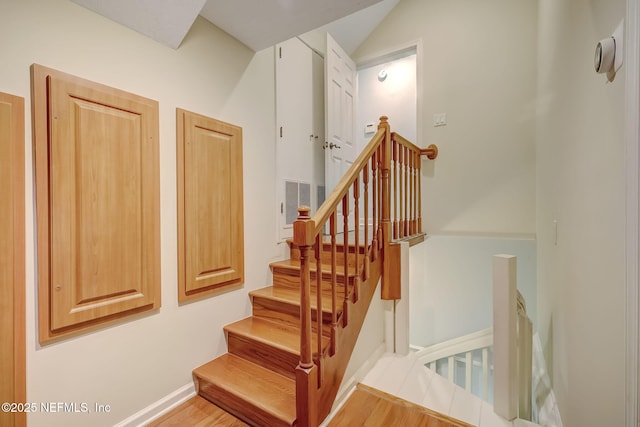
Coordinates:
<point>349,384</point>
<point>632,142</point>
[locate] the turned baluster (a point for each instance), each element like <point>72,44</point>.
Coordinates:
<point>403,183</point>
<point>407,168</point>
<point>374,204</point>
<point>356,220</point>
<point>394,177</point>
<point>385,184</point>
<point>379,237</point>
<point>318,255</point>
<point>419,194</point>
<point>412,224</point>
<point>334,281</point>
<point>365,174</point>
<point>345,250</point>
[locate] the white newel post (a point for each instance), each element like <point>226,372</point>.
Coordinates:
<point>505,402</point>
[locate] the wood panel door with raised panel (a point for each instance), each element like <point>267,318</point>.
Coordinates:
<point>12,259</point>
<point>210,205</point>
<point>97,183</point>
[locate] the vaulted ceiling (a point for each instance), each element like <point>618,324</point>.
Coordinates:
<point>256,23</point>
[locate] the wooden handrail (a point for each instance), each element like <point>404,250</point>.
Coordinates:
<point>386,171</point>
<point>314,225</point>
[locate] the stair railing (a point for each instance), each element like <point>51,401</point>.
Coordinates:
<point>360,205</point>
<point>406,168</point>
<point>463,351</point>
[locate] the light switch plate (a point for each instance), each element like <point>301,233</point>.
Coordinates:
<point>370,128</point>
<point>440,119</point>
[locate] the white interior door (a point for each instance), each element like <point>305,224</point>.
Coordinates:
<point>299,143</point>
<point>340,75</point>
<point>340,87</point>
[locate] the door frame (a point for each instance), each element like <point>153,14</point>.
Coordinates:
<point>382,56</point>
<point>632,142</point>
<point>398,332</point>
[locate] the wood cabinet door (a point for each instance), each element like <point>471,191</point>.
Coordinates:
<point>97,178</point>
<point>210,205</point>
<point>12,259</point>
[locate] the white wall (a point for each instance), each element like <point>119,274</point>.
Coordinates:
<point>395,97</point>
<point>135,362</point>
<point>581,184</point>
<point>451,276</point>
<point>477,64</point>
<point>452,285</point>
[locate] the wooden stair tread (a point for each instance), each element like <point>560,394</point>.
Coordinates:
<point>268,391</point>
<point>292,296</point>
<point>294,265</point>
<point>278,335</point>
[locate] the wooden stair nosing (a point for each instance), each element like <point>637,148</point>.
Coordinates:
<point>294,266</point>
<point>287,274</point>
<point>290,298</point>
<point>273,344</point>
<point>291,317</point>
<point>269,332</point>
<point>247,390</point>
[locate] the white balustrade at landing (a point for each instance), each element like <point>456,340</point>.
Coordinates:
<point>407,378</point>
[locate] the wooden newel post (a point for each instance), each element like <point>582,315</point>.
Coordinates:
<point>390,289</point>
<point>301,240</point>
<point>306,372</point>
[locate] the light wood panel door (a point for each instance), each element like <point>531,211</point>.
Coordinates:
<point>210,205</point>
<point>97,182</point>
<point>12,259</point>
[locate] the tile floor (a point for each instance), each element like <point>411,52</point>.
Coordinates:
<point>405,377</point>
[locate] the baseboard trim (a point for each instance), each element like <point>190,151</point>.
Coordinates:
<point>160,407</point>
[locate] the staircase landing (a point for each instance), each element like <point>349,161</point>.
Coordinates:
<point>406,378</point>
<point>365,406</point>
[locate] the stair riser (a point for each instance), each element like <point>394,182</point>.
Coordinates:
<point>288,313</point>
<point>239,407</point>
<point>325,255</point>
<point>291,279</point>
<point>274,358</point>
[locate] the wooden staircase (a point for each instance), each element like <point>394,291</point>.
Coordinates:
<point>255,380</point>
<point>286,362</point>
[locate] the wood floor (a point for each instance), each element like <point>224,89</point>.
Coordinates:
<point>365,407</point>
<point>197,412</point>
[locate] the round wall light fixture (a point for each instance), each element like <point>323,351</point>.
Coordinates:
<point>605,55</point>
